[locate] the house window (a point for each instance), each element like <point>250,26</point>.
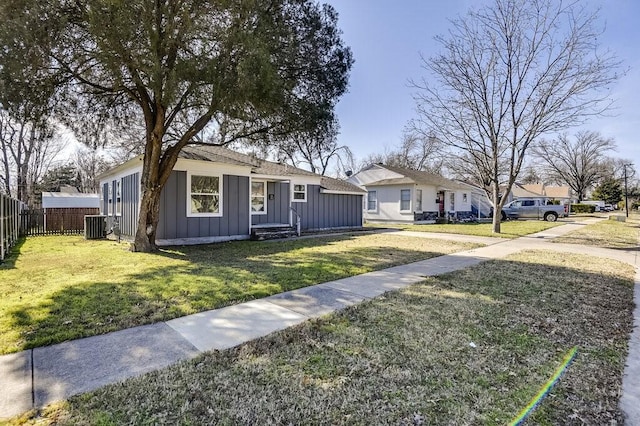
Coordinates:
<point>204,195</point>
<point>258,197</point>
<point>418,200</point>
<point>299,193</point>
<point>110,206</point>
<point>118,198</point>
<point>405,199</point>
<point>372,200</point>
<point>464,197</point>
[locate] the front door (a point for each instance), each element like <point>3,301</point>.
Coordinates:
<point>441,203</point>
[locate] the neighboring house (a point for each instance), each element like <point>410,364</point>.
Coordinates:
<point>561,194</point>
<point>481,205</point>
<point>65,211</point>
<point>215,194</point>
<point>564,194</point>
<point>395,194</point>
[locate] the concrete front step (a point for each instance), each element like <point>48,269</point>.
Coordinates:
<point>274,232</point>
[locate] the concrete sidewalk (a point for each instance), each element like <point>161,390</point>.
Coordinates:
<point>37,377</point>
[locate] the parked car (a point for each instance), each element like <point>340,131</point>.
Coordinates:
<point>607,208</point>
<point>534,209</point>
<point>599,204</point>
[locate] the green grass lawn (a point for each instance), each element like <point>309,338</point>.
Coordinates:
<point>407,357</point>
<point>607,234</point>
<point>59,288</point>
<point>509,229</point>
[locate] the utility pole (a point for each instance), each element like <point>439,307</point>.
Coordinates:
<point>626,197</point>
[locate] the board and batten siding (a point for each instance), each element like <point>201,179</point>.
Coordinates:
<point>175,224</point>
<point>130,194</point>
<point>278,208</point>
<point>324,211</point>
<point>129,203</point>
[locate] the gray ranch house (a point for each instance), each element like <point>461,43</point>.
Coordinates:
<point>396,194</point>
<point>215,194</point>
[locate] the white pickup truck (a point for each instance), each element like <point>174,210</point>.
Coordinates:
<point>533,208</point>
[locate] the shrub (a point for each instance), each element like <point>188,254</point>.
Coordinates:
<point>582,208</point>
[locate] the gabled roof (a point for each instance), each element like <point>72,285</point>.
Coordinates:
<point>337,185</point>
<point>219,154</point>
<point>558,191</point>
<point>263,167</point>
<point>536,188</point>
<point>415,177</point>
<point>520,191</point>
<point>540,190</point>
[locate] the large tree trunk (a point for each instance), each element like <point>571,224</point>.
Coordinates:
<point>156,169</point>
<point>148,217</point>
<point>497,209</point>
<point>151,183</point>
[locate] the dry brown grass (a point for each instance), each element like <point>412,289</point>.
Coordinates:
<point>406,358</point>
<point>607,234</point>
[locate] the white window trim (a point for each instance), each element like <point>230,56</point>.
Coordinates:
<point>118,199</point>
<point>419,208</point>
<point>293,192</point>
<point>376,201</point>
<point>409,209</point>
<point>266,197</point>
<point>111,208</point>
<point>220,195</point>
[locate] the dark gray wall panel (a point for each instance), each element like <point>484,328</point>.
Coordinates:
<point>180,227</point>
<point>242,223</point>
<point>130,193</point>
<point>174,222</point>
<point>105,200</point>
<point>329,210</point>
<point>168,209</point>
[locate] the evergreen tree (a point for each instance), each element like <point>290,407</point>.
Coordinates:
<point>609,190</point>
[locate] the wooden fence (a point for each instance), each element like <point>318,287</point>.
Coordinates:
<point>54,221</point>
<point>9,224</point>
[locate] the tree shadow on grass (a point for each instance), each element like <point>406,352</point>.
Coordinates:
<point>11,258</point>
<point>385,355</point>
<point>214,277</point>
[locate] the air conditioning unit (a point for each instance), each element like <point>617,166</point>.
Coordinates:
<point>95,227</point>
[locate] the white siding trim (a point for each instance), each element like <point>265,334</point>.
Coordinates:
<point>335,191</point>
<point>292,186</point>
<point>200,240</point>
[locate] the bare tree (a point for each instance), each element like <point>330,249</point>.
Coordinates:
<point>316,150</point>
<point>89,163</point>
<point>616,168</point>
<point>509,73</point>
<point>578,163</point>
<point>7,136</point>
<point>532,174</point>
<point>28,149</point>
<point>417,151</point>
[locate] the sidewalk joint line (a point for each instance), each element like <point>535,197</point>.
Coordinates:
<point>33,384</point>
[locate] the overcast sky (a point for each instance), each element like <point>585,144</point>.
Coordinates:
<point>387,38</point>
